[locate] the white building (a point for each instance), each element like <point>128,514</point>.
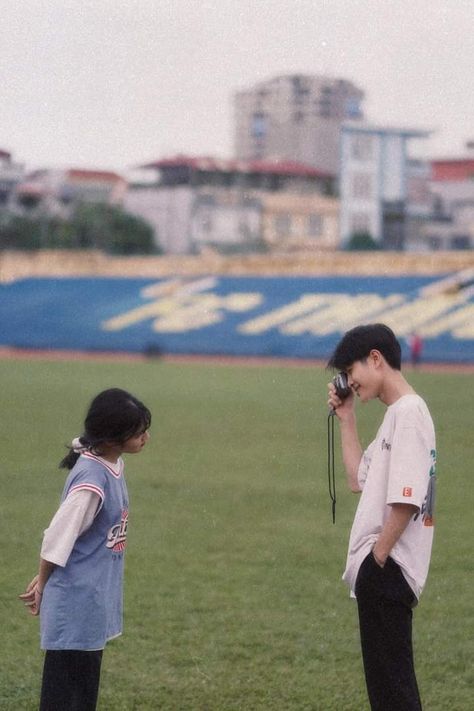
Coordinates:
<point>375,177</point>
<point>295,117</point>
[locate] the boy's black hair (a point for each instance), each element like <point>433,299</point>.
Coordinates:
<point>357,343</point>
<point>114,415</point>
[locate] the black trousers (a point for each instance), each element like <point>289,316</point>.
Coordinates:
<point>70,680</point>
<point>385,602</point>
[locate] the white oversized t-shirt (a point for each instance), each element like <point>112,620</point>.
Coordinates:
<point>397,467</point>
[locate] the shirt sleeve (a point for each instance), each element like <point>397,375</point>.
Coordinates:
<point>409,467</point>
<point>74,517</point>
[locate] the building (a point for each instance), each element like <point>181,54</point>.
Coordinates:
<point>452,184</point>
<point>295,117</point>
<point>10,175</point>
<point>300,222</point>
<point>58,191</point>
<point>194,203</point>
<point>452,223</point>
<point>383,192</point>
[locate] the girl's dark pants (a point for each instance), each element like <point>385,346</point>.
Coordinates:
<point>385,602</point>
<point>70,680</point>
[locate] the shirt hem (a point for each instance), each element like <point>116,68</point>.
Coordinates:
<point>77,647</point>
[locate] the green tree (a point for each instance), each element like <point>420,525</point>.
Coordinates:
<point>362,241</point>
<point>19,232</point>
<point>111,229</point>
<point>91,226</point>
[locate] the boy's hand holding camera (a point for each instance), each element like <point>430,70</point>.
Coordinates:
<point>341,404</point>
<point>341,397</point>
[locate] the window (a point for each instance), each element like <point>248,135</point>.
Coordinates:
<point>362,146</point>
<point>434,242</point>
<point>438,207</point>
<point>461,242</point>
<point>362,186</point>
<point>360,222</point>
<point>206,221</point>
<point>258,127</point>
<point>315,225</point>
<point>352,108</point>
<point>325,108</point>
<point>282,225</point>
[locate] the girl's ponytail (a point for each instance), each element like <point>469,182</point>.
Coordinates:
<point>76,448</point>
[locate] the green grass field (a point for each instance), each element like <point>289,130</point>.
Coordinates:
<point>233,592</point>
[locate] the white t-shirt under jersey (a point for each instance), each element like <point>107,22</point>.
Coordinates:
<point>397,468</point>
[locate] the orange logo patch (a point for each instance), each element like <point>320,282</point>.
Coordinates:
<point>407,491</point>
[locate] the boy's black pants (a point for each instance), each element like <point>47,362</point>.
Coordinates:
<point>385,602</point>
<point>70,680</point>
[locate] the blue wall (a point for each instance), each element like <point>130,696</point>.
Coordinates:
<point>274,316</point>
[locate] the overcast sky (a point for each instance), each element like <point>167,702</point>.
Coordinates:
<point>115,83</point>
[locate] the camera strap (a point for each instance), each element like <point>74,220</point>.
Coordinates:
<point>331,467</point>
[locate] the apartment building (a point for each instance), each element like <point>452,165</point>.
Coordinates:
<point>381,189</point>
<point>295,117</point>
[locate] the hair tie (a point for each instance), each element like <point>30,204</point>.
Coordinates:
<point>77,446</point>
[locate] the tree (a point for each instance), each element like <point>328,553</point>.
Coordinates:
<point>18,232</point>
<point>111,229</point>
<point>362,241</point>
<point>91,226</point>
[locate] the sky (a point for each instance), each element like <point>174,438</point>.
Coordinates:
<point>113,84</point>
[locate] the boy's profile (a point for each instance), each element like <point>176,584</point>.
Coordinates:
<point>391,538</point>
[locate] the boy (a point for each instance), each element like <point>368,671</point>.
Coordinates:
<point>391,538</point>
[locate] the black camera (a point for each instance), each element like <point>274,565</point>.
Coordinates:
<point>341,384</point>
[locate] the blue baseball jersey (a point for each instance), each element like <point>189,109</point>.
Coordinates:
<point>82,603</point>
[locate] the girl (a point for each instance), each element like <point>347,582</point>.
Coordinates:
<point>78,589</point>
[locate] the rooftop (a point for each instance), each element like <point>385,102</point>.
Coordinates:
<point>216,165</point>
<point>360,127</point>
<point>102,175</point>
<point>453,169</point>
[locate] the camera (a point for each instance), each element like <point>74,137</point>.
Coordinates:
<point>341,384</point>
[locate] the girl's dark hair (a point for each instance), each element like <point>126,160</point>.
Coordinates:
<point>113,416</point>
<point>357,343</point>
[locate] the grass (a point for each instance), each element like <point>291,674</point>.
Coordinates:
<point>233,594</point>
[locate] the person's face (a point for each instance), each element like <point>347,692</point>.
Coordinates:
<point>136,443</point>
<point>363,378</point>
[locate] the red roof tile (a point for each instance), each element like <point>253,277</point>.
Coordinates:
<point>105,175</point>
<point>461,169</point>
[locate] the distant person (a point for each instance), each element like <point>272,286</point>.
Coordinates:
<point>416,348</point>
<point>391,538</point>
<point>78,590</point>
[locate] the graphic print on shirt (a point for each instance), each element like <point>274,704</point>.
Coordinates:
<point>427,509</point>
<point>386,445</point>
<point>117,535</point>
